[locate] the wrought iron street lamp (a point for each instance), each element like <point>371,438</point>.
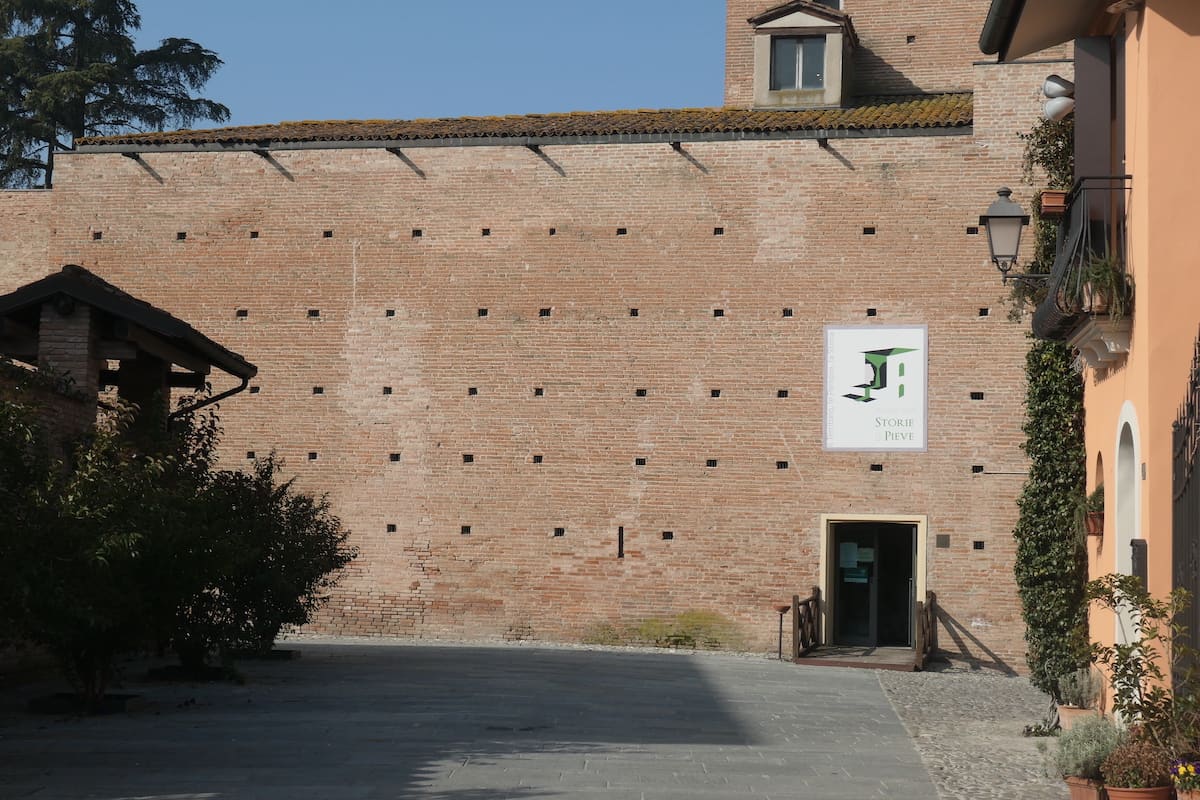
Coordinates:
<point>1004,221</point>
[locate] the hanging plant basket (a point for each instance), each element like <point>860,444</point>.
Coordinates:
<point>1094,523</point>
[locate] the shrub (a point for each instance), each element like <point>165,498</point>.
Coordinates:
<point>240,554</point>
<point>83,602</point>
<point>139,540</point>
<point>1139,670</point>
<point>294,549</point>
<point>1051,562</point>
<point>1050,146</point>
<point>184,563</point>
<point>1137,763</point>
<point>694,629</point>
<point>1079,688</point>
<point>1082,750</point>
<point>24,476</point>
<point>604,634</point>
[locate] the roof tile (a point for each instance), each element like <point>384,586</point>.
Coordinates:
<point>952,110</point>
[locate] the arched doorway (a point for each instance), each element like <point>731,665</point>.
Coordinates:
<point>1127,496</point>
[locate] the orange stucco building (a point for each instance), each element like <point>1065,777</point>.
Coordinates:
<point>1135,203</point>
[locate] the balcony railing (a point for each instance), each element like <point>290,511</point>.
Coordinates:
<point>1088,281</point>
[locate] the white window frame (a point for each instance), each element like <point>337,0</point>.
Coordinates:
<point>802,54</point>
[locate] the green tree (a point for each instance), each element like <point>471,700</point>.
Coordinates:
<point>69,69</point>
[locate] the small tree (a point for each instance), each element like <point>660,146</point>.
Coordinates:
<point>1140,669</point>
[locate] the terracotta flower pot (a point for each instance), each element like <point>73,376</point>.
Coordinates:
<point>1189,794</point>
<point>1094,521</point>
<point>1084,788</point>
<point>1069,715</point>
<point>1156,793</point>
<point>1094,299</point>
<point>1054,203</point>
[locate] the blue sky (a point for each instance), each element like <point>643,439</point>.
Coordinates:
<point>374,59</point>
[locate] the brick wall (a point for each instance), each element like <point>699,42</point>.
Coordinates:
<point>64,412</point>
<point>67,345</point>
<point>930,48</point>
<point>746,533</point>
<point>24,236</point>
<point>401,312</point>
<point>910,49</point>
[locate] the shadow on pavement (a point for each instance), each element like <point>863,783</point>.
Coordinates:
<point>455,723</point>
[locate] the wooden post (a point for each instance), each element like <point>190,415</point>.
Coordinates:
<point>795,626</point>
<point>919,639</point>
<point>931,604</point>
<point>816,615</point>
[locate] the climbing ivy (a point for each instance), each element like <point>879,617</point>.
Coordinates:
<point>1051,561</point>
<point>1049,150</point>
<point>1051,147</point>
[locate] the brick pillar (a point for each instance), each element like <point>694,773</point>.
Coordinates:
<point>67,344</point>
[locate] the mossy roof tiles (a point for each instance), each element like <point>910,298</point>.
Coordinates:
<point>951,110</point>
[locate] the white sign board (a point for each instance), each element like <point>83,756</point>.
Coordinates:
<point>876,388</point>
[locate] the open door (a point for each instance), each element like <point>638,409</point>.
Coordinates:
<point>873,588</point>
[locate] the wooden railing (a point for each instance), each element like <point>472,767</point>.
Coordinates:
<point>926,638</point>
<point>806,629</point>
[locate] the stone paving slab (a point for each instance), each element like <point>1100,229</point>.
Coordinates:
<point>367,721</point>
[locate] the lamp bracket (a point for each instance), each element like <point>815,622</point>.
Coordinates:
<point>1023,277</point>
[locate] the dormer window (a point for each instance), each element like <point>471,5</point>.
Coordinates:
<point>797,62</point>
<point>802,54</point>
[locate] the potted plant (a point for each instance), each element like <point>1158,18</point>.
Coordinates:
<point>1105,288</point>
<point>1078,692</point>
<point>1079,754</point>
<point>1138,682</point>
<point>1137,769</point>
<point>1093,510</point>
<point>1185,778</point>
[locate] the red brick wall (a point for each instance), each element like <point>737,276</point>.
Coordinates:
<point>24,237</point>
<point>944,43</point>
<point>746,534</point>
<point>65,413</point>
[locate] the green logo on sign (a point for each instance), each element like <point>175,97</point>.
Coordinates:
<point>878,361</point>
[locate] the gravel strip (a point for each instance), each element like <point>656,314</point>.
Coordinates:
<point>967,726</point>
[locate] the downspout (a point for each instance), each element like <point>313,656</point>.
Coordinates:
<point>998,29</point>
<point>208,402</point>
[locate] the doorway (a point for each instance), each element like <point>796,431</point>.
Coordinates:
<point>873,583</point>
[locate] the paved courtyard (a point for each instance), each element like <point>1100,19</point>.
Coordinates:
<point>457,722</point>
